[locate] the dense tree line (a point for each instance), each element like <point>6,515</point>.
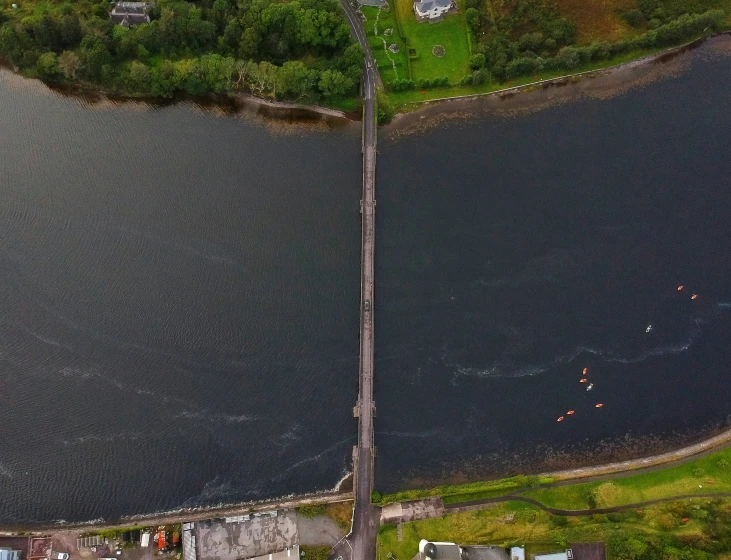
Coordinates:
<point>532,35</point>
<point>300,49</point>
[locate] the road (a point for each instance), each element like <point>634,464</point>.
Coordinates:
<point>366,517</point>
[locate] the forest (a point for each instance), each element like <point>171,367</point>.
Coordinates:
<point>299,50</point>
<point>515,38</point>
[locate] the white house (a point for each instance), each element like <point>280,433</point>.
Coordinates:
<point>431,9</point>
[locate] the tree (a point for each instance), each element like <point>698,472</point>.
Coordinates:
<point>477,61</point>
<point>296,79</point>
<point>163,80</point>
<point>473,19</point>
<point>334,84</point>
<point>47,66</point>
<point>94,55</point>
<point>47,33</point>
<point>70,30</point>
<point>69,63</point>
<point>139,79</point>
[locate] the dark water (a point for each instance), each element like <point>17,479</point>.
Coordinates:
<point>514,252</point>
<point>178,306</point>
<point>179,295</point>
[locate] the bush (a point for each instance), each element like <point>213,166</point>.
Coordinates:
<point>477,61</point>
<point>558,521</point>
<point>312,510</point>
<point>401,85</point>
<point>473,19</point>
<point>376,496</point>
<point>635,18</point>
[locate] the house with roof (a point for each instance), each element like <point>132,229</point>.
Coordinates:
<point>129,14</point>
<point>433,10</point>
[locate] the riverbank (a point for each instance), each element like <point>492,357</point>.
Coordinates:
<point>406,106</point>
<point>182,514</point>
<point>284,110</point>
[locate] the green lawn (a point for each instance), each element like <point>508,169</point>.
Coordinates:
<point>702,476</point>
<point>451,33</point>
<point>392,66</point>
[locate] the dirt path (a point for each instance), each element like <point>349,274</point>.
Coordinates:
<point>480,504</point>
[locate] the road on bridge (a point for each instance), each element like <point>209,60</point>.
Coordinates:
<point>366,516</point>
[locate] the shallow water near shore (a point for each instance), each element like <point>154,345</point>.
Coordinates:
<point>517,248</point>
<point>179,297</point>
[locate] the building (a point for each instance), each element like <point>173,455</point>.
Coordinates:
<point>517,553</point>
<point>441,550</point>
<point>568,555</point>
<point>268,535</point>
<point>432,10</point>
<point>9,554</point>
<point>128,14</point>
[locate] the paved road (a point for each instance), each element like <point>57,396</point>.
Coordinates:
<point>365,523</point>
<point>366,517</point>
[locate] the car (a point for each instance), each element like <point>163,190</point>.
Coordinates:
<point>367,305</point>
<point>59,556</point>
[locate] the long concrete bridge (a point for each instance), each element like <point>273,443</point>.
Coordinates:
<point>365,517</point>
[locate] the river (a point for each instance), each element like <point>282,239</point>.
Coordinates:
<point>516,248</point>
<point>179,291</point>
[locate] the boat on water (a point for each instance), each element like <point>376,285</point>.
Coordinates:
<point>649,328</point>
<point>590,387</point>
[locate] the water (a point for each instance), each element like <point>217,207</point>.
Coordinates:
<point>179,298</point>
<point>515,251</point>
<point>179,294</point>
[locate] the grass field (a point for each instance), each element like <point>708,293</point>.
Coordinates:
<point>391,66</point>
<point>451,33</point>
<point>521,524</point>
<point>469,491</point>
<point>702,476</point>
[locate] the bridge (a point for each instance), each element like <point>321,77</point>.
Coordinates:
<point>365,515</point>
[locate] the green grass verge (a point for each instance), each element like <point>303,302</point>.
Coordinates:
<point>467,492</point>
<point>451,33</point>
<point>315,552</point>
<point>677,524</point>
<point>701,476</point>
<point>392,66</point>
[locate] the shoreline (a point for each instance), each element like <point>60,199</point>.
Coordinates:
<point>233,100</point>
<point>91,93</point>
<point>176,516</point>
<point>659,57</point>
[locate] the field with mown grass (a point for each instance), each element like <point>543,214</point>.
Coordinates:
<point>451,33</point>
<point>698,529</point>
<point>392,66</point>
<point>702,476</point>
